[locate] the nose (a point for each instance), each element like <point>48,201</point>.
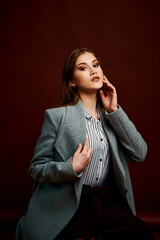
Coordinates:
<point>93,71</point>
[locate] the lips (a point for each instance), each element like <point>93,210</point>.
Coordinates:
<point>95,79</point>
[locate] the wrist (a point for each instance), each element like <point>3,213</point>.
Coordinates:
<point>112,109</point>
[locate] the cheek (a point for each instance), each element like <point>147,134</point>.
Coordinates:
<point>75,78</point>
<point>79,78</point>
<point>101,72</point>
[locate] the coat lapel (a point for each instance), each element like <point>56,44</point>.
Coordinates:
<point>72,131</point>
<point>112,139</point>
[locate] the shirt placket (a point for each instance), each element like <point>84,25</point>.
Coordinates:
<point>100,155</point>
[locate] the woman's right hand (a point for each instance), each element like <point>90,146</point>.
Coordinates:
<point>81,157</point>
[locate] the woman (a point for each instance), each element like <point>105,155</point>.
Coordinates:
<point>83,186</point>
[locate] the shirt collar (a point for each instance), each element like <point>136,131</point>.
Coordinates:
<point>88,115</point>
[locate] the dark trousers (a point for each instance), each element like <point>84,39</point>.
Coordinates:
<point>101,214</point>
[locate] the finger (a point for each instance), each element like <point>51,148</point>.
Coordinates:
<point>109,86</point>
<point>89,151</point>
<point>105,78</point>
<point>85,147</point>
<point>101,93</point>
<point>79,149</point>
<point>105,81</point>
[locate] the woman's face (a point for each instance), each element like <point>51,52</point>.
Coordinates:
<point>87,74</point>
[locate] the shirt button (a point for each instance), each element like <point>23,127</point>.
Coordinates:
<point>97,178</point>
<point>101,139</point>
<point>100,160</point>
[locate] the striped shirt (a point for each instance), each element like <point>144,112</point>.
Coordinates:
<point>97,170</point>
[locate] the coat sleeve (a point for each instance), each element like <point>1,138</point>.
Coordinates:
<point>130,139</point>
<point>43,166</point>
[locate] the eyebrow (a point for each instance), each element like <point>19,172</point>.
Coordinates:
<point>95,60</point>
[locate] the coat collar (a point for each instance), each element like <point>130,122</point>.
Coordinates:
<point>72,131</point>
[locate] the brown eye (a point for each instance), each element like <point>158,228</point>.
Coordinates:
<point>82,68</point>
<point>96,65</point>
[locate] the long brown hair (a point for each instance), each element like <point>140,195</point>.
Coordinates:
<point>69,95</point>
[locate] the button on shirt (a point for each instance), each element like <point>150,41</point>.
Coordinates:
<point>97,170</point>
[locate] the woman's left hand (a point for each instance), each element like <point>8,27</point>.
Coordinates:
<point>109,99</point>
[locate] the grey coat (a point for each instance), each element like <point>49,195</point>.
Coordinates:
<point>58,189</point>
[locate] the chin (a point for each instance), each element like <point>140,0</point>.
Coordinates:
<point>100,86</point>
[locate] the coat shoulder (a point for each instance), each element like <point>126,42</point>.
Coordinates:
<point>61,112</point>
<point>59,115</point>
<point>56,114</point>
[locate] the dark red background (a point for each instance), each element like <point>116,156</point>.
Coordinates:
<point>35,38</point>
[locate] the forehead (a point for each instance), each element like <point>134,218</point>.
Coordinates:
<point>86,57</point>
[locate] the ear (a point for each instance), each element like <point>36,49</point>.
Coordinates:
<point>72,83</point>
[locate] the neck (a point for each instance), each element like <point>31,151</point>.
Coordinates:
<point>90,102</point>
